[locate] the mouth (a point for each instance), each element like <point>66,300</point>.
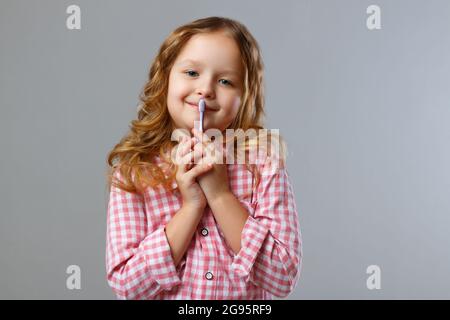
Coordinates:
<point>196,107</point>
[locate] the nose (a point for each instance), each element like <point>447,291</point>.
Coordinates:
<point>206,89</point>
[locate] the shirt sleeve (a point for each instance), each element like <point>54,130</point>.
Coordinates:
<point>271,245</point>
<point>139,263</point>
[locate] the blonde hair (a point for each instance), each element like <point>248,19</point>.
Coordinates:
<point>150,134</point>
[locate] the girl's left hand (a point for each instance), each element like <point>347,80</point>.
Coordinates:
<point>214,183</point>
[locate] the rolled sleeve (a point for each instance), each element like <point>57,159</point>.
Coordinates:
<point>253,235</point>
<point>271,251</point>
<point>139,262</point>
<point>159,259</point>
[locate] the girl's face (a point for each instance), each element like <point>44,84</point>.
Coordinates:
<point>209,66</point>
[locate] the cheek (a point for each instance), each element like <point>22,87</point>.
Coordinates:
<point>174,101</point>
<point>176,88</point>
<point>235,103</point>
<point>230,112</point>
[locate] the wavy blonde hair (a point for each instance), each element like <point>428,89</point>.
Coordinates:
<point>150,134</point>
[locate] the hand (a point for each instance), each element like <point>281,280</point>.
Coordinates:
<point>186,174</point>
<point>214,183</point>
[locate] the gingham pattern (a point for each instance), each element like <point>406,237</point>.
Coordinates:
<point>139,263</point>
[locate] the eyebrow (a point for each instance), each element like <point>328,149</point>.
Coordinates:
<point>199,63</point>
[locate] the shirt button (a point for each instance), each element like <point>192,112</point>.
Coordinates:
<point>204,232</point>
<point>209,275</point>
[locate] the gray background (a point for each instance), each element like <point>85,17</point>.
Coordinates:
<point>365,114</point>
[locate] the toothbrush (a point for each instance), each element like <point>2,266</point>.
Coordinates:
<point>201,109</point>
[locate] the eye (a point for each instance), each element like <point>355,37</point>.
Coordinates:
<point>227,83</point>
<point>191,73</point>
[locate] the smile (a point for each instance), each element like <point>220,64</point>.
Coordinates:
<point>196,107</point>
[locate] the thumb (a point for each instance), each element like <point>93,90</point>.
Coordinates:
<point>200,168</point>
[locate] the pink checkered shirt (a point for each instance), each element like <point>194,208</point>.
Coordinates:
<point>139,263</point>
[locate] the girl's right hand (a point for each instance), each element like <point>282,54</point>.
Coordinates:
<point>186,174</point>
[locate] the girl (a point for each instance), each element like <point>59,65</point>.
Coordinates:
<point>183,230</point>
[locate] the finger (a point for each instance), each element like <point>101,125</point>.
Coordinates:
<point>181,157</point>
<point>213,149</point>
<point>203,137</point>
<point>181,151</point>
<point>208,153</point>
<point>199,169</point>
<point>181,168</point>
<point>187,146</point>
<point>192,157</point>
<point>198,153</point>
<point>186,143</point>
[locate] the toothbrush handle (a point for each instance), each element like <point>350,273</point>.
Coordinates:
<point>201,122</point>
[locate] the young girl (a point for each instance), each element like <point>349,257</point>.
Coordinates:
<point>189,229</point>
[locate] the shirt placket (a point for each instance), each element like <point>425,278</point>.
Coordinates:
<point>206,235</point>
